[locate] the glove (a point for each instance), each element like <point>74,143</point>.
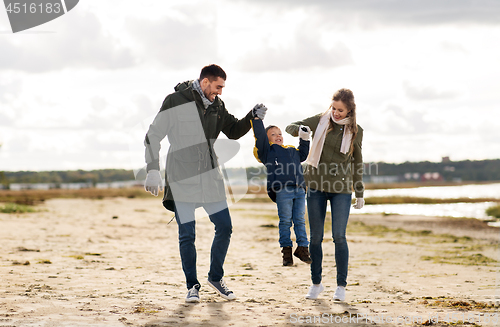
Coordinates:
<point>304,132</point>
<point>359,203</point>
<point>259,111</point>
<point>153,182</point>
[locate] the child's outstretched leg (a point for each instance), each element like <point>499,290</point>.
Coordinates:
<point>284,200</point>
<point>299,226</point>
<point>287,256</point>
<point>302,253</point>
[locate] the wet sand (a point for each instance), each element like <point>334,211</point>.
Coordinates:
<point>115,262</point>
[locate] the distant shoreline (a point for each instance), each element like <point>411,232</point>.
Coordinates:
<point>252,194</point>
<point>377,186</point>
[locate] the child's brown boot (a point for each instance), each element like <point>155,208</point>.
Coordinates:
<point>287,256</point>
<point>302,253</point>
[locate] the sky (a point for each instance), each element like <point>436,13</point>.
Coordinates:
<point>79,92</point>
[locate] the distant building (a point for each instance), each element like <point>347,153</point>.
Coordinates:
<point>31,186</point>
<point>75,186</point>
<point>432,177</point>
<point>409,177</point>
<point>445,159</point>
<point>384,179</point>
<point>72,186</point>
<point>122,184</point>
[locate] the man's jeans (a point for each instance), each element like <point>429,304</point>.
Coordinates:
<point>316,208</point>
<point>291,203</point>
<point>219,216</point>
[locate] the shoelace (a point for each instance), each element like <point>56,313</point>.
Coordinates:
<point>223,285</point>
<point>193,291</point>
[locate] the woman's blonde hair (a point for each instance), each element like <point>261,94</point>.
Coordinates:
<point>347,98</point>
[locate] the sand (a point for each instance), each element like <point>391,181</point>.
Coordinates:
<point>115,262</point>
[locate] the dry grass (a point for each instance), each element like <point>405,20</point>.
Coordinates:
<point>455,303</point>
<point>259,193</point>
<point>494,211</point>
<point>253,189</point>
<point>16,208</point>
<point>31,197</point>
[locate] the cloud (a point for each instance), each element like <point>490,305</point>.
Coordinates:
<point>9,89</point>
<point>453,47</point>
<point>109,141</point>
<point>424,93</point>
<point>306,52</point>
<point>176,43</point>
<point>78,42</point>
<point>487,130</point>
<point>6,120</point>
<point>389,12</point>
<point>397,120</point>
<point>109,116</point>
<point>16,142</point>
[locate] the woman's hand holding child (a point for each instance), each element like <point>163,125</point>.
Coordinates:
<point>304,132</point>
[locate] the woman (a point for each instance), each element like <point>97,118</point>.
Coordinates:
<point>334,167</point>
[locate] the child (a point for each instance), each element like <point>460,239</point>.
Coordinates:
<point>285,185</point>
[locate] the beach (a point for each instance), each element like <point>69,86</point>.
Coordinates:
<point>115,262</point>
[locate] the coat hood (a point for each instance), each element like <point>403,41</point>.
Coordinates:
<point>183,86</point>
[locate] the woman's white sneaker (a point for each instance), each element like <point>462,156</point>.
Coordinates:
<point>314,291</point>
<point>339,294</point>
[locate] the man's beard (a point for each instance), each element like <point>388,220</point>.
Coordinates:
<point>208,96</point>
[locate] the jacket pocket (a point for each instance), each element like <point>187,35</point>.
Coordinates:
<point>183,166</point>
<point>189,124</point>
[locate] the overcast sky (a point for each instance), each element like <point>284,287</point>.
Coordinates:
<point>80,91</point>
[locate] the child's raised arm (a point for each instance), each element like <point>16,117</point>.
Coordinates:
<point>261,140</point>
<point>304,142</point>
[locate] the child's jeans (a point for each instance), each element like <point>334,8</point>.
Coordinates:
<point>291,203</point>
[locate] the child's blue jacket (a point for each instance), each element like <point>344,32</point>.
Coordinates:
<point>282,162</point>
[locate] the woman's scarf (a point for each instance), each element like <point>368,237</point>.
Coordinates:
<point>320,136</point>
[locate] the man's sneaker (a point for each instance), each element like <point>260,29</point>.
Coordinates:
<point>339,294</point>
<point>193,295</point>
<point>314,291</point>
<point>221,288</point>
<point>302,252</point>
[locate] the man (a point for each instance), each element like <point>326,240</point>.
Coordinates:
<point>192,118</point>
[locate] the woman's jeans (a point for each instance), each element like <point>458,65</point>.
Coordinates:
<point>316,208</point>
<point>291,201</point>
<point>219,216</point>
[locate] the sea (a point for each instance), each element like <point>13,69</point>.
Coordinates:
<point>464,209</point>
